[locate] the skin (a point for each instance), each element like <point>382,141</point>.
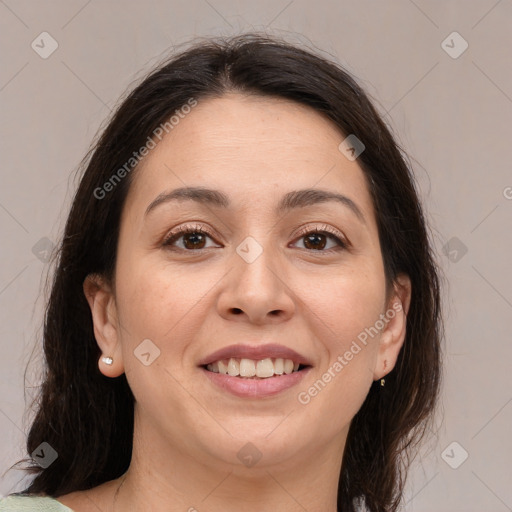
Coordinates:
<point>316,301</point>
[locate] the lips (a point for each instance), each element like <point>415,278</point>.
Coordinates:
<point>255,372</point>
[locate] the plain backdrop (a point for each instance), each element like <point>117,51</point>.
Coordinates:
<point>440,74</point>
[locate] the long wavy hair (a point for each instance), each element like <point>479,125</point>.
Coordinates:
<point>88,418</point>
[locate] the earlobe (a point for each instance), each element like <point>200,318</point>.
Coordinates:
<point>101,301</point>
<point>393,334</point>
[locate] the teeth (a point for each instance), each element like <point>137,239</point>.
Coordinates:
<point>288,366</point>
<point>233,367</point>
<point>262,369</point>
<point>247,368</point>
<point>223,368</point>
<point>265,368</point>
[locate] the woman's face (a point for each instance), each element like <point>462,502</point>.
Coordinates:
<point>265,280</point>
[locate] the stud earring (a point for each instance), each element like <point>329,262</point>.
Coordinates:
<point>107,360</point>
<point>383,381</point>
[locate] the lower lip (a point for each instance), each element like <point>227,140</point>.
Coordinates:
<point>256,388</point>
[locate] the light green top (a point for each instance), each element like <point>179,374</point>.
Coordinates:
<point>31,504</point>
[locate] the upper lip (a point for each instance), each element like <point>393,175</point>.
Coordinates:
<point>256,353</point>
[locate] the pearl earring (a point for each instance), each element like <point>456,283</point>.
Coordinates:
<point>107,360</point>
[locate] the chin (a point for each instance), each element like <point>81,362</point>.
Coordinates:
<point>259,442</point>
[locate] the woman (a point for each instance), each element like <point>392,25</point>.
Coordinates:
<point>245,313</point>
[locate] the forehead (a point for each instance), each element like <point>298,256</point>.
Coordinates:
<point>254,149</point>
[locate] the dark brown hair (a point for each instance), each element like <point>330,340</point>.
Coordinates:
<point>88,418</point>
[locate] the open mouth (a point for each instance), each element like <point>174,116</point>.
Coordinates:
<point>255,369</point>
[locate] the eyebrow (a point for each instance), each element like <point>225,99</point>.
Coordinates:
<point>290,201</point>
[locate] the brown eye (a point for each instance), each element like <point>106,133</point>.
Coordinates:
<point>193,238</point>
<point>317,240</point>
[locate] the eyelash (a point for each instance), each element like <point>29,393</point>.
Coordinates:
<point>343,244</point>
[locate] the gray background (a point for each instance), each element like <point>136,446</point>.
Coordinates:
<point>452,115</point>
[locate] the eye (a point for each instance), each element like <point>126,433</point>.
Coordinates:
<point>315,238</point>
<point>193,238</point>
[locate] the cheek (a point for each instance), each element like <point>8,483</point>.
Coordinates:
<point>154,298</point>
<point>346,303</point>
<point>346,310</point>
<point>156,303</point>
<point>160,302</point>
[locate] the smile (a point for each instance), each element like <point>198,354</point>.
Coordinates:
<point>256,369</point>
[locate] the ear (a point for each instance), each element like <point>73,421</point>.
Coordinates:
<point>101,300</point>
<point>393,333</point>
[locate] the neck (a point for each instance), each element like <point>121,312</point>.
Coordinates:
<point>165,476</point>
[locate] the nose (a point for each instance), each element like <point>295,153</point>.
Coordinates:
<point>257,287</point>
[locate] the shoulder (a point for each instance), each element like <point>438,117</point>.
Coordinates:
<point>27,503</point>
